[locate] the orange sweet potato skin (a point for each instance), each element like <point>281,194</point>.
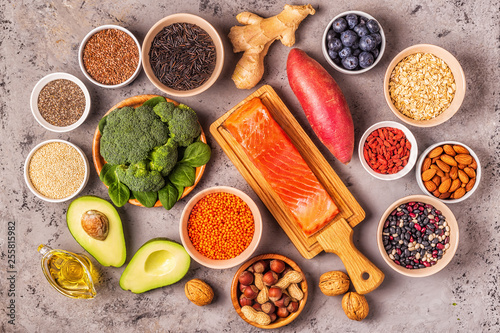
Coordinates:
<point>323,102</point>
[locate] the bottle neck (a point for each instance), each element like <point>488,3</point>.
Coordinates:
<point>44,249</point>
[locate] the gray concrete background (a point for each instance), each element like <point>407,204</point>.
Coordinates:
<point>42,37</point>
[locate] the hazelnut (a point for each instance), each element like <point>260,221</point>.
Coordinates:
<point>277,265</point>
<point>270,278</point>
<point>95,224</point>
<point>293,307</point>
<point>199,292</point>
<point>260,266</point>
<point>282,312</point>
<point>245,300</point>
<point>355,306</point>
<point>286,270</point>
<point>273,317</point>
<point>242,287</point>
<point>257,307</point>
<point>246,278</point>
<point>268,307</point>
<point>283,301</point>
<point>250,269</point>
<point>275,293</point>
<point>251,292</point>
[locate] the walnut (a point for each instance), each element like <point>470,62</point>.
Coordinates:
<point>355,306</point>
<point>199,292</point>
<point>95,224</point>
<point>334,283</point>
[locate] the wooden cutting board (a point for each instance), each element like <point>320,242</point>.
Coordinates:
<point>337,236</point>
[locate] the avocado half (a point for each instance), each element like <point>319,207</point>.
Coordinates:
<point>108,252</point>
<point>158,263</point>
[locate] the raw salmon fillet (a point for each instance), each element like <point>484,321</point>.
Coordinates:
<point>273,153</point>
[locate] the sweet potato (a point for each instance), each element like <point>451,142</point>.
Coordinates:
<point>323,102</point>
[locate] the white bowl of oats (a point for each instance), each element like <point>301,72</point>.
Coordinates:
<point>424,85</point>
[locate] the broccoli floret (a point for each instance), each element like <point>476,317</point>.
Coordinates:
<point>138,178</point>
<point>130,134</point>
<point>163,158</point>
<point>184,126</point>
<point>164,110</point>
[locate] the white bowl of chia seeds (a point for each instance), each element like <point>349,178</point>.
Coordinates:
<point>60,102</point>
<point>56,170</point>
<point>417,235</point>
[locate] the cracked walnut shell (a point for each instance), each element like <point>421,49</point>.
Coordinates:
<point>334,283</point>
<point>355,306</point>
<point>199,292</point>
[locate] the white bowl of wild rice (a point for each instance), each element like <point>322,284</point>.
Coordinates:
<point>110,56</point>
<point>56,170</point>
<point>424,85</point>
<point>60,102</point>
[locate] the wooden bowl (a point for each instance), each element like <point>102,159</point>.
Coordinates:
<point>235,293</point>
<point>135,102</point>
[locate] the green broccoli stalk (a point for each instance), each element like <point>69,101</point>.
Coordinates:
<point>138,178</point>
<point>130,134</point>
<point>184,126</point>
<point>163,158</point>
<point>164,110</point>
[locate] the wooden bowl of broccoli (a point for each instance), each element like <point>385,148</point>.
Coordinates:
<point>149,151</point>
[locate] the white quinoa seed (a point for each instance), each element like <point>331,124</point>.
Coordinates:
<point>56,170</point>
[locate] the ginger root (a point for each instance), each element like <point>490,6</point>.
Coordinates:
<point>257,35</point>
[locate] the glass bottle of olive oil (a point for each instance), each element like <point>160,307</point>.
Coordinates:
<point>69,273</point>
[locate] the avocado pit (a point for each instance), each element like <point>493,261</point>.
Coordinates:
<point>95,224</point>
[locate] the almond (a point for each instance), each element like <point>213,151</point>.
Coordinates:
<point>454,172</point>
<point>450,160</point>
<point>436,193</point>
<point>470,172</point>
<point>427,164</point>
<point>470,184</point>
<point>460,149</point>
<point>435,159</point>
<point>439,172</point>
<point>428,174</point>
<point>455,184</point>
<point>444,195</point>
<point>459,193</point>
<point>435,152</point>
<point>430,186</point>
<point>437,180</point>
<point>463,159</point>
<point>463,176</point>
<point>473,165</point>
<point>443,166</point>
<point>461,166</point>
<point>445,185</point>
<point>448,149</point>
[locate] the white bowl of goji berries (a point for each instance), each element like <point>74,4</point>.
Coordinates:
<point>388,150</point>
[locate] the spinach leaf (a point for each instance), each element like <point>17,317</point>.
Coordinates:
<point>102,123</point>
<point>108,175</point>
<point>119,193</point>
<point>153,101</point>
<point>182,175</point>
<point>168,196</point>
<point>197,154</point>
<point>147,199</point>
<point>180,190</point>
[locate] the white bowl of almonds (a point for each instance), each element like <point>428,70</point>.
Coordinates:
<point>424,85</point>
<point>449,171</point>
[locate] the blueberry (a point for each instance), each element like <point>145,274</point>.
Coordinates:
<point>367,43</point>
<point>337,61</point>
<point>330,35</point>
<point>339,25</point>
<point>350,62</point>
<point>365,59</point>
<point>362,20</point>
<point>356,52</point>
<point>332,54</point>
<point>361,30</point>
<point>348,37</point>
<point>335,45</point>
<point>373,26</point>
<point>375,52</point>
<point>355,45</point>
<point>378,38</point>
<point>352,20</point>
<point>345,52</point>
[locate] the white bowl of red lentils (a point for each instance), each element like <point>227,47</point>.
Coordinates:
<point>60,102</point>
<point>388,150</point>
<point>220,227</point>
<point>56,170</point>
<point>110,56</point>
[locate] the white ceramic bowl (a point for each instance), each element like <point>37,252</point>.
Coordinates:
<point>212,263</point>
<point>447,256</point>
<point>421,161</point>
<point>33,189</point>
<point>183,18</point>
<point>36,92</point>
<point>413,151</point>
<point>82,47</point>
<point>341,69</point>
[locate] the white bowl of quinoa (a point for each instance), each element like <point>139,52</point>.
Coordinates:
<point>424,85</point>
<point>60,102</point>
<point>56,170</point>
<point>110,56</point>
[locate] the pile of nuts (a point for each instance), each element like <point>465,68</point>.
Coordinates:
<point>449,171</point>
<point>269,289</point>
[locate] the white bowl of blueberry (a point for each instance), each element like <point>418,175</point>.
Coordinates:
<point>353,42</point>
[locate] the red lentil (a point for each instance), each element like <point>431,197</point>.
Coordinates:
<point>221,226</point>
<point>386,150</point>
